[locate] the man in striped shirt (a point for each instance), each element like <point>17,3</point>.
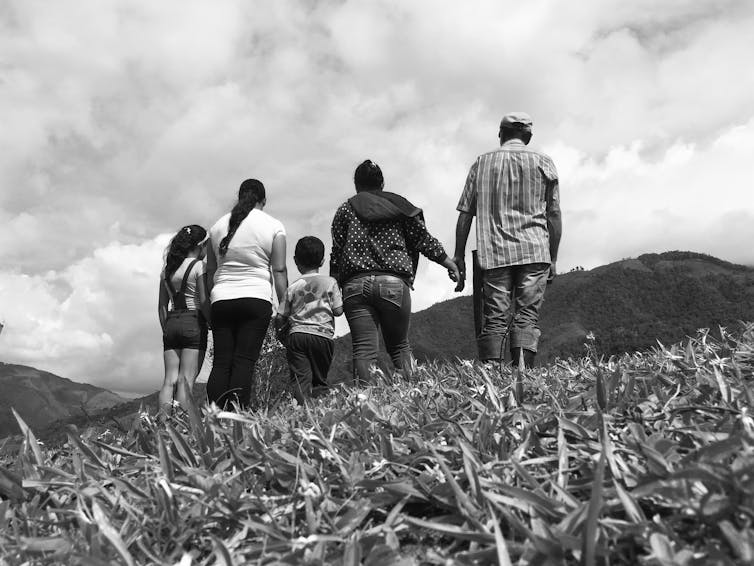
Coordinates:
<point>513,192</point>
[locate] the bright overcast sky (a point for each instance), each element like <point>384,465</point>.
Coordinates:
<point>121,121</point>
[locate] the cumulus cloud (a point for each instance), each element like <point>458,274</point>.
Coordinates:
<point>125,120</point>
<point>94,321</point>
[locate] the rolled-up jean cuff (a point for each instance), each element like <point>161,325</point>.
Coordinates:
<point>490,347</point>
<point>526,339</point>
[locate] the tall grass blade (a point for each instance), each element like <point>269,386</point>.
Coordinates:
<point>111,534</point>
<point>30,441</point>
<point>503,558</point>
<point>590,533</point>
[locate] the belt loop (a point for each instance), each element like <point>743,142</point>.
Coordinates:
<point>367,288</point>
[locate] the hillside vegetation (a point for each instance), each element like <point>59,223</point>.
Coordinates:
<point>627,305</point>
<point>643,459</point>
<point>42,397</point>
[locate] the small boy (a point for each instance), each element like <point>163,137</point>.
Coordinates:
<point>308,310</point>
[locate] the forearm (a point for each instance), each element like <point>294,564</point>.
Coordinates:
<point>280,280</point>
<point>206,308</point>
<point>555,230</point>
<point>209,282</point>
<point>463,227</point>
<point>162,304</point>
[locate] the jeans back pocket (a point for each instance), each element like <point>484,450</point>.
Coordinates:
<point>392,292</point>
<point>352,289</point>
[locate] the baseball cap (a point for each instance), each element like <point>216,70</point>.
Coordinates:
<point>517,121</point>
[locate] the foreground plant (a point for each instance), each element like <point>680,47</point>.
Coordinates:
<point>645,459</point>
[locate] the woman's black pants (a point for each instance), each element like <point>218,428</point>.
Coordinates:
<point>238,330</point>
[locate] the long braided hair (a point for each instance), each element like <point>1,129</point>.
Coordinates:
<point>250,193</point>
<point>179,247</point>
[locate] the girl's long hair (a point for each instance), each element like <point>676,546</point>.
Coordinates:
<point>179,247</point>
<point>250,193</point>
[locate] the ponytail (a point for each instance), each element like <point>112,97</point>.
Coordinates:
<point>250,194</point>
<point>179,247</point>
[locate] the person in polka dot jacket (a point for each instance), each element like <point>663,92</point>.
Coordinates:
<point>377,237</point>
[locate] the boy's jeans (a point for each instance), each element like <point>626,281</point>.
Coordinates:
<point>373,303</point>
<point>514,291</point>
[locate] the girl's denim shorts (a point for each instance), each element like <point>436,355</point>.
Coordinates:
<point>185,329</point>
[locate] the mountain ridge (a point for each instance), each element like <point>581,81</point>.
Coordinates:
<point>41,397</point>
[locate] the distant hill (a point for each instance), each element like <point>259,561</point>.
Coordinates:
<point>42,397</point>
<point>628,305</point>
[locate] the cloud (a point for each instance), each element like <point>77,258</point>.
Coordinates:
<point>691,198</point>
<point>94,321</point>
<point>126,120</point>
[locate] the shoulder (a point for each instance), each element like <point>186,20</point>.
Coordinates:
<point>332,285</point>
<point>546,163</point>
<point>269,221</point>
<point>326,282</point>
<point>344,208</point>
<point>295,285</point>
<point>221,225</point>
<point>488,154</point>
<point>344,213</point>
<point>199,268</point>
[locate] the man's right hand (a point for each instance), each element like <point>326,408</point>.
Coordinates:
<point>460,262</point>
<point>553,273</point>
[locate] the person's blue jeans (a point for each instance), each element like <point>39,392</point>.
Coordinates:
<point>514,292</point>
<point>374,304</point>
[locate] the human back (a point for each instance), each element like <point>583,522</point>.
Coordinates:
<point>510,191</point>
<point>310,302</point>
<point>244,270</point>
<point>186,278</point>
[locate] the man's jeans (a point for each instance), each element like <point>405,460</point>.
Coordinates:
<point>515,291</point>
<point>373,303</point>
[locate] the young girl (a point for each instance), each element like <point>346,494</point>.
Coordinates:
<point>183,309</point>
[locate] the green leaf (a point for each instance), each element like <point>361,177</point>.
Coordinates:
<point>30,441</point>
<point>45,544</point>
<point>591,534</point>
<point>10,485</point>
<point>452,530</point>
<point>503,558</point>
<point>742,542</point>
<point>111,534</point>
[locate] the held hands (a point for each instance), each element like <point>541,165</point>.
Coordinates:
<point>452,268</point>
<point>456,271</point>
<point>461,263</point>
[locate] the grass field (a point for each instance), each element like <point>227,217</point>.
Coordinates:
<point>643,459</point>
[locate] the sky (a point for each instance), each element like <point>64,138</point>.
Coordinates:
<point>124,120</point>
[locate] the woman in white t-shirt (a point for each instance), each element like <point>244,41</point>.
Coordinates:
<point>183,309</point>
<point>246,259</point>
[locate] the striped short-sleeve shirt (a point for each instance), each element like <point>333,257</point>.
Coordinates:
<point>509,190</point>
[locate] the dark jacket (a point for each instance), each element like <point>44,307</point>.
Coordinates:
<point>380,232</point>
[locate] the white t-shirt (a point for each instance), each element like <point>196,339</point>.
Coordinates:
<point>244,272</point>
